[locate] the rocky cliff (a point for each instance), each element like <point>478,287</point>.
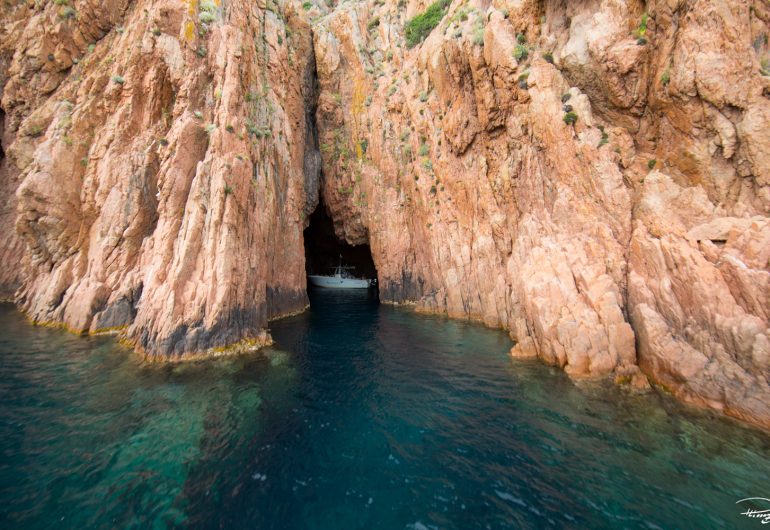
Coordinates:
<point>592,176</point>
<point>165,161</point>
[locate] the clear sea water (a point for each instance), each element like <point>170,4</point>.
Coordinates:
<point>362,416</point>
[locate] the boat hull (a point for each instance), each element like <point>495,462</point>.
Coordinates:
<point>332,282</point>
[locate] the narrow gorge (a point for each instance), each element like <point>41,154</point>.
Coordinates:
<point>593,177</point>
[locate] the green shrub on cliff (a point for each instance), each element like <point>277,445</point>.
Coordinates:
<point>420,26</point>
<point>764,67</point>
<point>570,118</point>
<point>641,31</point>
<point>478,32</point>
<point>34,131</point>
<point>207,17</point>
<point>208,6</point>
<point>605,137</point>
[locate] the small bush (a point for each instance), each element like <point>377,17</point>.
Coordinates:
<point>641,41</point>
<point>548,56</point>
<point>210,128</point>
<point>478,35</point>
<point>373,23</point>
<point>420,26</point>
<point>34,131</point>
<point>665,78</point>
<point>202,51</point>
<point>156,32</point>
<point>570,118</point>
<point>461,15</point>
<point>423,96</point>
<point>424,150</point>
<point>520,52</point>
<point>228,190</point>
<point>521,38</point>
<point>208,6</point>
<point>642,29</point>
<point>523,80</point>
<point>118,79</point>
<point>651,163</point>
<point>230,128</point>
<point>68,13</point>
<point>307,6</point>
<point>565,97</point>
<point>198,114</point>
<point>206,17</point>
<point>605,137</point>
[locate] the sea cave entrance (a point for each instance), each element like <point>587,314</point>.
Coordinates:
<point>324,250</point>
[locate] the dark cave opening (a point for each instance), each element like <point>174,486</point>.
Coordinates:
<point>324,250</point>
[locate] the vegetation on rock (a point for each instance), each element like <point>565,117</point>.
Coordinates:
<point>419,27</point>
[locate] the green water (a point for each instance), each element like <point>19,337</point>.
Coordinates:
<point>363,416</point>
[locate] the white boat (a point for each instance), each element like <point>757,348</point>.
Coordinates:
<point>341,279</point>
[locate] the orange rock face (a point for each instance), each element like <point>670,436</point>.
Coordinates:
<point>162,159</point>
<point>161,152</point>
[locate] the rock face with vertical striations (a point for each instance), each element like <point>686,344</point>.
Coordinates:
<point>592,176</point>
<point>161,148</point>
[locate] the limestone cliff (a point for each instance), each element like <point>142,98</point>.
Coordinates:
<point>592,176</point>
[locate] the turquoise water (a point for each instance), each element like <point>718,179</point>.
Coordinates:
<point>363,416</point>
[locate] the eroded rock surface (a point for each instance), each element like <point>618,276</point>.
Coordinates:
<point>479,201</point>
<point>161,153</point>
<point>162,159</point>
